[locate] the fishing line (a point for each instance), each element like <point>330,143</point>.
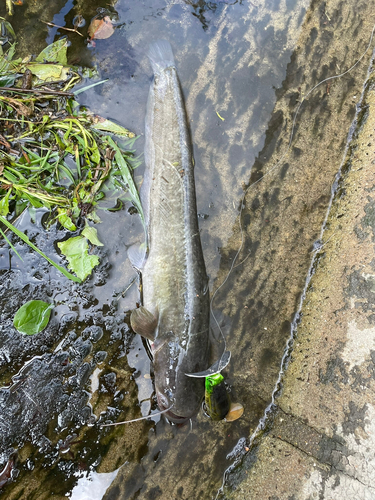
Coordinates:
<point>268,411</point>
<point>277,164</point>
<point>138,419</point>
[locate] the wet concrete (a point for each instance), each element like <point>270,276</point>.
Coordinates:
<point>284,213</point>
<point>252,64</point>
<point>318,440</point>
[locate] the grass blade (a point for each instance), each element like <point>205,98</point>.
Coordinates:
<point>24,238</point>
<point>127,177</point>
<point>79,91</point>
<point>10,244</point>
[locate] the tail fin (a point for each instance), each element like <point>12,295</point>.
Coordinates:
<point>160,55</point>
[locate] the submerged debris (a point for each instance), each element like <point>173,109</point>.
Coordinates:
<point>102,25</point>
<point>100,28</point>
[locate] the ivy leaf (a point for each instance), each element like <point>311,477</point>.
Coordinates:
<point>32,317</point>
<point>75,250</point>
<point>56,52</point>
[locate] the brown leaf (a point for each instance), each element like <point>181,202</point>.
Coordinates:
<point>98,119</point>
<point>20,108</point>
<point>5,143</point>
<point>101,28</point>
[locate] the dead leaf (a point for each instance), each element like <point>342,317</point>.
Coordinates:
<point>5,143</point>
<point>100,28</point>
<point>20,108</point>
<point>98,119</point>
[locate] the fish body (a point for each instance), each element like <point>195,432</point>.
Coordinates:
<point>175,315</point>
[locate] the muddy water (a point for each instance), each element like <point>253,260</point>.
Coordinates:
<point>244,67</point>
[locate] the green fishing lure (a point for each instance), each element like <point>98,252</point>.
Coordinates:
<point>217,399</point>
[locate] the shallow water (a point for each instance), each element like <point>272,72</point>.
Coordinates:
<point>243,67</point>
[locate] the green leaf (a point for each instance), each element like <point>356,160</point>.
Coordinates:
<point>4,204</point>
<point>10,177</point>
<point>113,128</point>
<point>49,72</point>
<point>90,73</point>
<point>10,244</point>
<point>75,250</point>
<point>34,201</point>
<point>58,140</point>
<point>7,80</point>
<point>56,52</point>
<point>32,317</point>
<point>94,217</point>
<point>92,235</point>
<point>10,29</point>
<point>117,207</point>
<point>65,220</point>
<point>24,238</point>
<point>20,206</point>
<point>95,155</point>
<point>127,177</point>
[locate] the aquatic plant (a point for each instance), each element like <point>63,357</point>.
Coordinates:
<point>54,153</point>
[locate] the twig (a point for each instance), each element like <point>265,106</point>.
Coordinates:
<point>34,91</point>
<point>62,27</point>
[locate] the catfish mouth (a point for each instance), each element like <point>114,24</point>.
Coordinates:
<point>168,413</point>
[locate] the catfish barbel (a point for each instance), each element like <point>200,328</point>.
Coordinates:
<point>176,309</point>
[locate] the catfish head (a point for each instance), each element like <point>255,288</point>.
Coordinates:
<point>176,392</point>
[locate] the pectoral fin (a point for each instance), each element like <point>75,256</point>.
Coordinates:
<point>144,323</point>
<point>215,368</point>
